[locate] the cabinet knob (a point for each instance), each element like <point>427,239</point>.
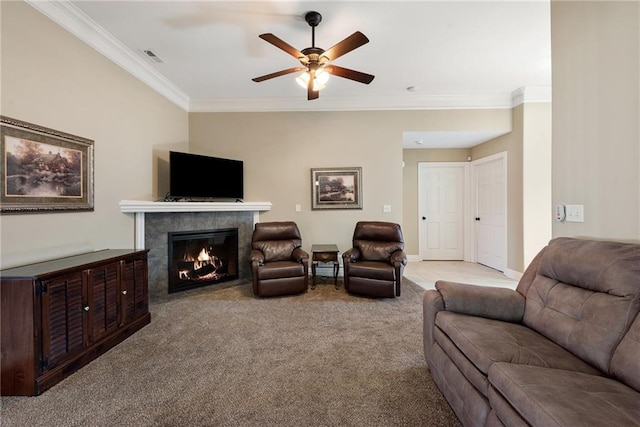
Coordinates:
<point>124,292</point>
<point>86,308</point>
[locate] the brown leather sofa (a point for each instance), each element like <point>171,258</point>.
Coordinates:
<point>279,266</point>
<point>375,264</point>
<point>562,349</point>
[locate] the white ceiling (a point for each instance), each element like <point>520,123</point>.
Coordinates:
<point>454,54</point>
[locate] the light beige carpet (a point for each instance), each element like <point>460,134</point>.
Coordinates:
<point>224,358</point>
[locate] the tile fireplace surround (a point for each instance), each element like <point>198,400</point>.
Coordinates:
<point>154,220</point>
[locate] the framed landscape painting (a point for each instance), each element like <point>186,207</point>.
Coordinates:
<point>336,188</point>
<point>44,170</point>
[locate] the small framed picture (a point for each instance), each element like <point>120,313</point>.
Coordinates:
<point>336,188</point>
<point>44,170</point>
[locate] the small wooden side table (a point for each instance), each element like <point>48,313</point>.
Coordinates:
<point>324,254</point>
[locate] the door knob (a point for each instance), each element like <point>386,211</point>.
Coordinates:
<point>124,292</point>
<point>424,217</point>
<point>86,308</point>
<point>477,218</point>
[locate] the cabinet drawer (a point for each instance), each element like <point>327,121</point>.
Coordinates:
<point>325,256</point>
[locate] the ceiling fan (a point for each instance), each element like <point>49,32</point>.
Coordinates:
<point>315,61</point>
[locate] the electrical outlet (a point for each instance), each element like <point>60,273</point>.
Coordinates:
<point>386,208</point>
<point>574,213</point>
<point>298,208</point>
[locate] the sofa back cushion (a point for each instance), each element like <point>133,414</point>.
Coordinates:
<point>377,251</point>
<point>584,296</point>
<point>377,240</point>
<point>276,240</point>
<point>276,250</point>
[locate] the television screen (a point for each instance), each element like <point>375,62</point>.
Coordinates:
<point>196,177</point>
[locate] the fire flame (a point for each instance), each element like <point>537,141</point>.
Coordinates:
<point>203,255</point>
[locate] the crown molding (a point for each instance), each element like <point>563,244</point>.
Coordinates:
<point>531,94</point>
<point>363,103</point>
<point>68,16</point>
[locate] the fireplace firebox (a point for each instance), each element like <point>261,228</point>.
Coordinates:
<point>201,258</point>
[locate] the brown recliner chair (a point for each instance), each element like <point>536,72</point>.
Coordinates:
<point>374,266</point>
<point>279,266</point>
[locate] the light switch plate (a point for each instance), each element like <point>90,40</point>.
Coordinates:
<point>574,213</point>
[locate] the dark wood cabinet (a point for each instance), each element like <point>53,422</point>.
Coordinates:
<point>59,315</point>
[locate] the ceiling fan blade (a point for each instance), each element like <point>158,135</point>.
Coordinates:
<point>281,44</point>
<point>349,74</point>
<point>278,74</point>
<point>352,42</point>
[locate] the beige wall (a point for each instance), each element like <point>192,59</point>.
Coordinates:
<point>596,105</point>
<point>279,149</point>
<point>51,78</point>
<point>536,179</point>
<point>528,149</point>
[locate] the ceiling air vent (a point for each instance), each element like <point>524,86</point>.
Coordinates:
<point>152,56</point>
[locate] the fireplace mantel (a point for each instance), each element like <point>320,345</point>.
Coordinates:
<point>140,207</point>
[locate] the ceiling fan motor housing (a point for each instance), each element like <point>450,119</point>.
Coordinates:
<point>313,18</point>
<point>313,56</point>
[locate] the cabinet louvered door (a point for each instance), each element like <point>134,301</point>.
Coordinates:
<point>141,288</point>
<point>133,298</point>
<point>102,300</point>
<point>63,325</point>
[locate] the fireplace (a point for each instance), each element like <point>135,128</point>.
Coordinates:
<point>201,258</point>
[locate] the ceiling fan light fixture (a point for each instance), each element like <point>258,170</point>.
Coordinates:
<point>303,79</point>
<point>319,83</point>
<point>322,77</point>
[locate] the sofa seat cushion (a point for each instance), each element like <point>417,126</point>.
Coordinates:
<point>280,269</point>
<point>486,341</point>
<point>372,270</point>
<point>556,397</point>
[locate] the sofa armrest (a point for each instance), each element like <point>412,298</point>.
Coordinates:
<point>299,255</point>
<point>351,255</point>
<point>257,259</point>
<point>398,258</point>
<point>256,256</point>
<point>483,301</point>
<point>432,303</point>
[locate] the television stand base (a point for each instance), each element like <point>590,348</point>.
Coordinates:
<point>200,199</point>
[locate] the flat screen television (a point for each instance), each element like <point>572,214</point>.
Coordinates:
<point>193,177</point>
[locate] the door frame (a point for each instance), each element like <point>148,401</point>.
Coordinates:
<point>473,248</point>
<point>466,223</point>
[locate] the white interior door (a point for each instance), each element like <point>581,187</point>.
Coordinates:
<point>491,213</point>
<point>441,211</point>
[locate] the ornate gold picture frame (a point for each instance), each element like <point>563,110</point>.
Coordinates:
<point>44,170</point>
<point>336,188</point>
